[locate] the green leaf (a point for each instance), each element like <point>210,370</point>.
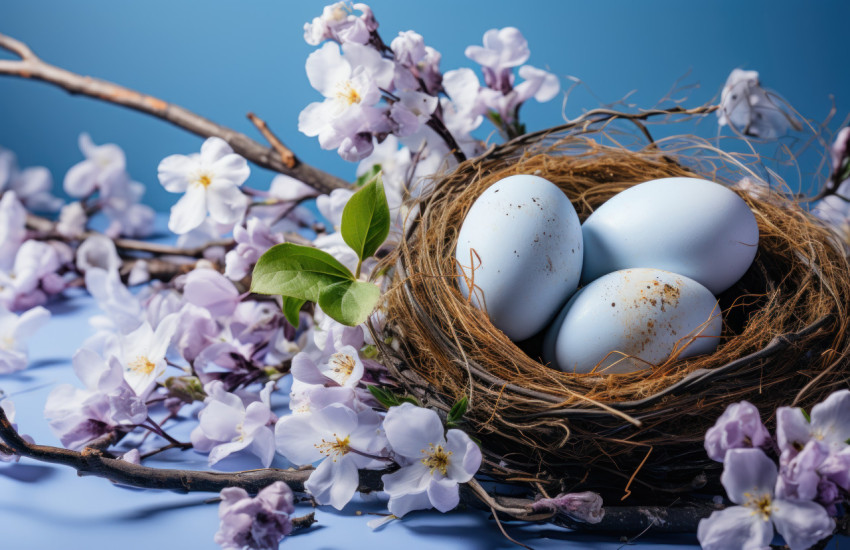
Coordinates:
<point>292,309</point>
<point>384,396</point>
<point>457,411</point>
<point>297,271</point>
<point>388,399</point>
<point>366,219</point>
<point>806,415</point>
<point>368,176</point>
<point>349,302</point>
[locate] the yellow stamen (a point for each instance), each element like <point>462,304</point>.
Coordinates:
<point>142,365</point>
<point>761,504</point>
<point>436,458</point>
<point>204,179</point>
<point>342,366</point>
<point>347,93</point>
<point>334,449</point>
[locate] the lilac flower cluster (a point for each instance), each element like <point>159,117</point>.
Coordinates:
<point>373,91</point>
<point>259,523</point>
<point>799,497</point>
<point>101,182</point>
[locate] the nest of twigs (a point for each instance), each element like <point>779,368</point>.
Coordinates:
<point>784,337</point>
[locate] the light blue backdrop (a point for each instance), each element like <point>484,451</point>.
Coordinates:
<point>223,58</point>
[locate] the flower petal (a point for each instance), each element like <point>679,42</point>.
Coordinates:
<point>801,523</point>
<point>410,429</point>
<point>747,471</point>
<point>402,504</point>
<point>80,179</point>
<point>326,68</point>
<point>230,170</point>
<point>407,480</point>
<point>734,527</point>
<point>190,211</point>
<point>832,417</point>
<point>295,438</point>
<point>220,452</point>
<point>443,494</point>
<point>263,446</point>
<point>213,149</point>
<point>465,458</point>
<point>174,170</point>
<point>227,205</point>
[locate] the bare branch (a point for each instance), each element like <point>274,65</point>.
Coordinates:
<point>31,66</point>
<point>286,154</point>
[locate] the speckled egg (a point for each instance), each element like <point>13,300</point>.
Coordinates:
<point>631,320</point>
<point>691,226</point>
<point>520,246</point>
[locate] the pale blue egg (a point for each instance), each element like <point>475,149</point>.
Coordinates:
<point>631,320</point>
<point>523,238</point>
<point>697,228</point>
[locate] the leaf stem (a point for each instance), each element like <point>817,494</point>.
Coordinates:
<point>357,271</point>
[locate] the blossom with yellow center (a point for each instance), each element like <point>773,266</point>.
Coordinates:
<point>334,448</point>
<point>436,458</point>
<point>142,365</point>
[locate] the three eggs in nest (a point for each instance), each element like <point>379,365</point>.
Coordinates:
<point>649,263</point>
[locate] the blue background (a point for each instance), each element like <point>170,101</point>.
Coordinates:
<point>223,58</point>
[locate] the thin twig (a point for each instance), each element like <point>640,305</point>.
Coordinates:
<point>31,66</point>
<point>286,154</point>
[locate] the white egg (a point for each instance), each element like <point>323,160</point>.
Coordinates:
<point>523,238</point>
<point>631,320</point>
<point>694,227</point>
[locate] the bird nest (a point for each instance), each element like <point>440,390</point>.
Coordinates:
<point>784,338</point>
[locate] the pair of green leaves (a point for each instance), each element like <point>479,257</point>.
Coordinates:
<point>302,273</point>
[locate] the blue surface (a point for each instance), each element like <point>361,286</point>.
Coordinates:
<point>222,59</point>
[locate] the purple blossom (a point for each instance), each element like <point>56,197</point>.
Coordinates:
<point>209,289</point>
<point>749,478</point>
<point>32,277</point>
<point>14,332</point>
<point>72,220</point>
<point>259,523</point>
<point>252,241</point>
<point>339,23</point>
<point>78,417</point>
<point>332,435</point>
<point>751,110</point>
<point>229,423</point>
<point>829,426</point>
<point>351,83</point>
<point>432,461</point>
<point>98,251</point>
<point>31,185</point>
<point>103,167</point>
<point>586,506</point>
<point>503,49</point>
<point>738,427</point>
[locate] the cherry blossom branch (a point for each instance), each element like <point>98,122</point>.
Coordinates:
<point>31,66</point>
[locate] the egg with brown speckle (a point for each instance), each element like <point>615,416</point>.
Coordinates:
<point>631,320</point>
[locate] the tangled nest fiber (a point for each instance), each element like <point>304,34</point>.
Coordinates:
<point>784,337</point>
